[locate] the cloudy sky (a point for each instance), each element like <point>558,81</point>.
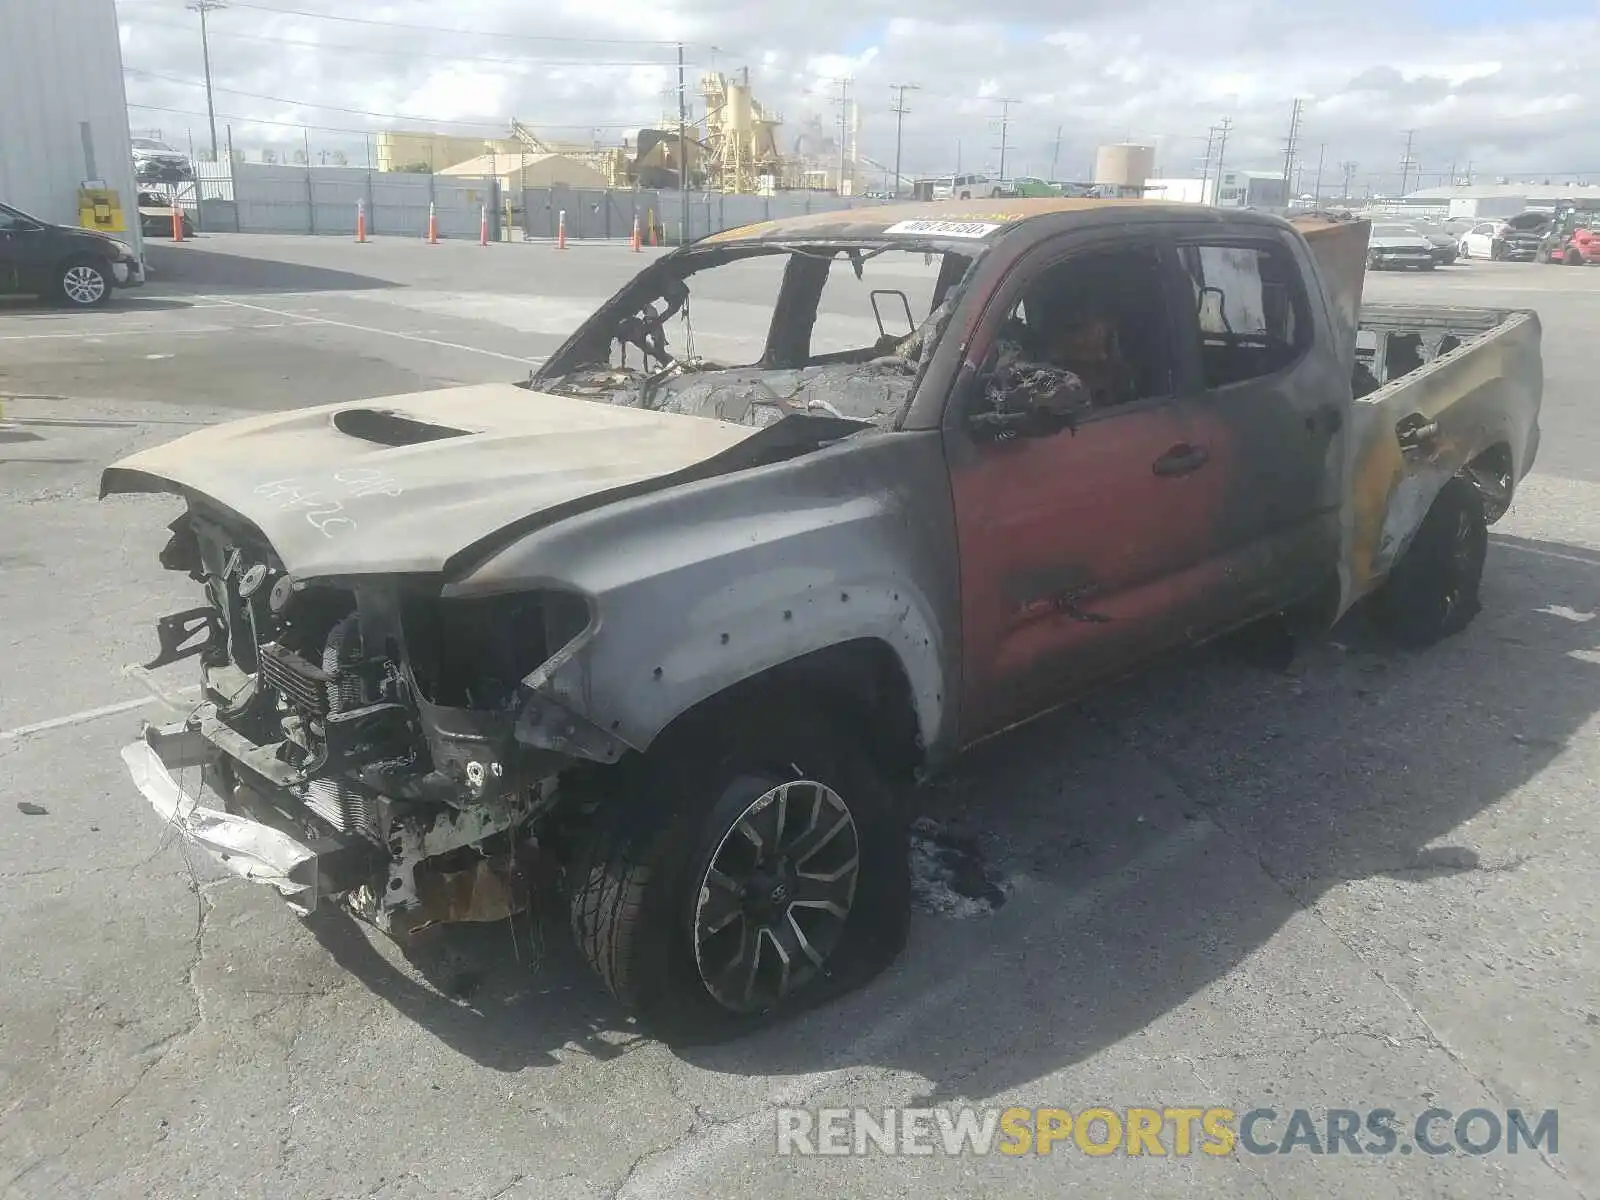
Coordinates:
<point>1515,92</point>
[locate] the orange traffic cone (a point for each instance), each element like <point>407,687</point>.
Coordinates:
<point>636,244</point>
<point>652,227</point>
<point>433,224</point>
<point>561,230</point>
<point>177,222</point>
<point>361,220</point>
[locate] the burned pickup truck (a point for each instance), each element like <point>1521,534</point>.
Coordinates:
<point>684,614</point>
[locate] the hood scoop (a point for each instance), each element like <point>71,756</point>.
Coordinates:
<point>386,428</point>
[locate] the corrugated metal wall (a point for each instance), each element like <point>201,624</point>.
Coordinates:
<point>604,213</point>
<point>61,68</point>
<point>263,198</point>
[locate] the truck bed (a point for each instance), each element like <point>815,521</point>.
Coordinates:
<point>1458,393</point>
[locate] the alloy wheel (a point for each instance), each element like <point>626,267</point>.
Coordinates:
<point>776,896</point>
<point>83,285</point>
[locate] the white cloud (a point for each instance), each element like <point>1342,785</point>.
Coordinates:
<point>1368,70</point>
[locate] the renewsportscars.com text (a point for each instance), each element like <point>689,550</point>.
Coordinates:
<point>1161,1132</point>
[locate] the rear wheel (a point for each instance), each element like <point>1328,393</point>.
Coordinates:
<point>752,869</point>
<point>84,283</point>
<point>1433,590</point>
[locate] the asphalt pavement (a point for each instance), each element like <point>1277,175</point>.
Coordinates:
<point>1365,882</point>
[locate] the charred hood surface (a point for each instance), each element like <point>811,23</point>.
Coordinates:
<point>420,483</point>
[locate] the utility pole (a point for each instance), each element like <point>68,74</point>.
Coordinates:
<point>1205,163</point>
<point>1005,126</point>
<point>203,7</point>
<point>683,154</point>
<point>1289,144</point>
<point>900,110</point>
<point>1055,156</point>
<point>1407,162</point>
<point>1222,151</point>
<point>1316,190</point>
<point>1348,170</point>
<point>843,101</point>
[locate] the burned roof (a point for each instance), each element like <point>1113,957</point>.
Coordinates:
<point>951,220</point>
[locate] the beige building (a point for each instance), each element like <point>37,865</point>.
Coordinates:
<point>518,171</point>
<point>400,150</point>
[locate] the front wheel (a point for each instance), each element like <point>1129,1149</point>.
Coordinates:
<point>1433,590</point>
<point>84,283</point>
<point>1462,251</point>
<point>750,871</point>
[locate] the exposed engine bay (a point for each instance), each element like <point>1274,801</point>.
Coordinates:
<point>385,734</point>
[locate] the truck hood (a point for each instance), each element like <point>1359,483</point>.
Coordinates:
<point>416,483</point>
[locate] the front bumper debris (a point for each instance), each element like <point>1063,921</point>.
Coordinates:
<point>248,848</point>
<point>432,867</point>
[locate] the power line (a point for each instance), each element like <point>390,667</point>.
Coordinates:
<point>231,35</point>
<point>503,35</point>
<point>190,112</point>
<point>355,112</point>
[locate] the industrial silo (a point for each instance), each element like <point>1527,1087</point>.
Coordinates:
<point>1125,166</point>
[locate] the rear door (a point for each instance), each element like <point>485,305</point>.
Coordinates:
<point>1077,547</point>
<point>1270,405</point>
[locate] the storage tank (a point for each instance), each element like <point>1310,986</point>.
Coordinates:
<point>1125,165</point>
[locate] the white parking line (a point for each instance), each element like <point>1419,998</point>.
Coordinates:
<point>1571,558</point>
<point>77,718</point>
<point>89,335</point>
<point>394,333</point>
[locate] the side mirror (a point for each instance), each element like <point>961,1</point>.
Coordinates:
<point>1023,399</point>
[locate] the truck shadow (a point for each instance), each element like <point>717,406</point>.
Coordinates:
<point>1153,839</point>
<point>222,271</point>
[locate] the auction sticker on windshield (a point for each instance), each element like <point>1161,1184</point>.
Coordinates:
<point>965,229</point>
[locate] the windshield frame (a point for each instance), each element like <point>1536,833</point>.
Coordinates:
<point>593,343</point>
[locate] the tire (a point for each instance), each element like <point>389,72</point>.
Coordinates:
<point>1372,263</point>
<point>1433,591</point>
<point>84,283</point>
<point>1573,258</point>
<point>966,195</point>
<point>1462,251</point>
<point>643,902</point>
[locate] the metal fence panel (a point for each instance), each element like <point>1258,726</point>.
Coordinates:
<point>596,213</point>
<point>274,198</point>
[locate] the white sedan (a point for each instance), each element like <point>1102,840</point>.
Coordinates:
<point>1479,241</point>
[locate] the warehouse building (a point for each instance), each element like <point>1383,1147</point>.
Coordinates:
<point>65,153</point>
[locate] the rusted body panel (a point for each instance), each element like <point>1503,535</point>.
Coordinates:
<point>1482,395</point>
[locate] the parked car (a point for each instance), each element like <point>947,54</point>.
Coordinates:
<point>688,631</point>
<point>77,267</point>
<point>155,215</point>
<point>1483,240</point>
<point>1524,234</point>
<point>1031,186</point>
<point>1399,247</point>
<point>156,162</point>
<point>1445,246</point>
